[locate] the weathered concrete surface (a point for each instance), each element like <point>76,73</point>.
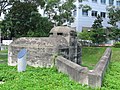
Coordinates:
<point>95,77</point>
<point>62,41</point>
<point>75,71</point>
<point>40,50</point>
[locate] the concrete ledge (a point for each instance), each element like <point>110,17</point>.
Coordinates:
<point>75,71</point>
<point>95,76</point>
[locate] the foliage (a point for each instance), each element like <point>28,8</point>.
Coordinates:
<point>85,35</point>
<point>114,33</point>
<point>114,15</point>
<point>23,19</point>
<point>97,23</point>
<point>98,33</point>
<point>98,36</point>
<point>117,45</point>
<point>60,11</point>
<point>43,26</point>
<point>6,4</point>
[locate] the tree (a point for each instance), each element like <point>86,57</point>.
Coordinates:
<point>23,19</point>
<point>6,4</point>
<point>114,33</point>
<point>97,23</point>
<point>60,11</point>
<point>114,15</point>
<point>85,35</point>
<point>43,26</point>
<point>98,36</point>
<point>98,33</point>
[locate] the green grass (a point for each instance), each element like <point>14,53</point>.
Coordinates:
<point>4,51</point>
<point>50,79</point>
<point>36,79</point>
<point>91,55</point>
<point>3,55</point>
<point>112,77</point>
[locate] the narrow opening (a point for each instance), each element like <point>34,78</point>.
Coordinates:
<point>59,33</point>
<point>51,33</point>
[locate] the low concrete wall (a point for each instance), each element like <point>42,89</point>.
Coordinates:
<point>95,76</point>
<point>75,71</point>
<point>81,74</point>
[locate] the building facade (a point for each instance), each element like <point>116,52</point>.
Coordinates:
<point>84,18</point>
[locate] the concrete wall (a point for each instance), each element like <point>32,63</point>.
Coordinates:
<point>95,77</point>
<point>81,74</point>
<point>75,71</point>
<point>40,51</point>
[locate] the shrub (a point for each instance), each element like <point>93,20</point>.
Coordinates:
<point>117,45</point>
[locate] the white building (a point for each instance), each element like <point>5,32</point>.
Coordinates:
<point>84,19</point>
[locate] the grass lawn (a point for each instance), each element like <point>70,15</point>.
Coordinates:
<point>91,55</point>
<point>35,79</point>
<point>50,79</point>
<point>112,77</point>
<point>3,56</point>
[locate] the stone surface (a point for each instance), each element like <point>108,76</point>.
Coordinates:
<point>62,41</point>
<point>75,71</point>
<point>39,50</point>
<point>95,77</point>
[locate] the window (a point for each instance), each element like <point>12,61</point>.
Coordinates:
<point>94,13</point>
<point>111,2</point>
<point>94,0</point>
<point>103,1</point>
<point>103,14</point>
<point>84,12</point>
<point>118,3</point>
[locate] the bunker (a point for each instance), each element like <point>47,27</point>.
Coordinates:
<point>41,50</point>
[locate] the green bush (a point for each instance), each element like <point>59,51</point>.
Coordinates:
<point>117,45</point>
